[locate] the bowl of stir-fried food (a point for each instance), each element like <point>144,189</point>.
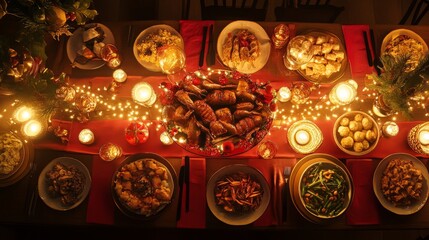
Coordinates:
<point>321,188</point>
<point>401,183</point>
<point>64,183</point>
<point>143,185</point>
<point>237,194</point>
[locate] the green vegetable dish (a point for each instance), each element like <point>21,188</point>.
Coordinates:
<point>325,190</point>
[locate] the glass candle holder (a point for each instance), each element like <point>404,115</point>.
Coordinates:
<point>418,138</point>
<point>280,36</point>
<point>165,138</point>
<point>299,51</point>
<point>343,93</point>
<point>86,136</point>
<point>32,128</point>
<point>23,114</point>
<point>390,129</point>
<point>171,59</point>
<point>143,94</point>
<point>109,152</point>
<point>267,150</point>
<point>284,94</point>
<point>119,75</point>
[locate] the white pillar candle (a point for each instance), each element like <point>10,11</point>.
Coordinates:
<point>302,137</point>
<point>424,137</point>
<point>119,75</point>
<point>165,138</point>
<point>284,94</point>
<point>23,113</point>
<point>86,136</point>
<point>32,128</point>
<point>143,94</point>
<point>390,129</point>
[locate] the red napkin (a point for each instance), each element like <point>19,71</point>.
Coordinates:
<point>363,209</point>
<point>196,216</point>
<point>101,207</point>
<point>269,216</point>
<point>356,51</point>
<point>192,34</point>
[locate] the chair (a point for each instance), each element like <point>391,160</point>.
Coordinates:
<point>300,11</point>
<point>254,10</point>
<point>126,10</point>
<point>415,9</point>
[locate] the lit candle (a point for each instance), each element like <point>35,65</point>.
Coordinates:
<point>343,93</point>
<point>86,136</point>
<point>23,114</point>
<point>284,94</point>
<point>32,128</point>
<point>390,129</point>
<point>424,137</point>
<point>143,93</point>
<point>165,138</point>
<point>302,137</point>
<point>109,152</point>
<point>119,75</point>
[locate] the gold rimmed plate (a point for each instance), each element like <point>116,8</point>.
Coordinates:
<point>312,134</point>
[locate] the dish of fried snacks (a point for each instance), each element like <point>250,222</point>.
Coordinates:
<point>329,58</point>
<point>142,186</point>
<point>64,183</point>
<point>244,46</point>
<point>400,183</point>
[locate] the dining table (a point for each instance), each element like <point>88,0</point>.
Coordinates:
<point>20,203</point>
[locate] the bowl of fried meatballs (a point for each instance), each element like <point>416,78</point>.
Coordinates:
<point>400,183</point>
<point>143,185</point>
<point>356,133</point>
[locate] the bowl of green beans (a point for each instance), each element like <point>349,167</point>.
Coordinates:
<point>325,188</point>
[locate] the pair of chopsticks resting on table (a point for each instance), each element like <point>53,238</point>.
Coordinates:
<point>211,54</point>
<point>373,60</point>
<point>184,175</point>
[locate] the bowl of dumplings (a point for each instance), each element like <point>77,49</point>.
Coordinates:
<point>356,133</point>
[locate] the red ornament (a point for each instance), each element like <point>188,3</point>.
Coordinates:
<point>136,132</point>
<point>228,146</point>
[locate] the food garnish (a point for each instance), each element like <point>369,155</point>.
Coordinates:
<point>402,182</point>
<point>238,193</point>
<point>324,190</point>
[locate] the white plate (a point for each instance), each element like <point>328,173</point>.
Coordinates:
<point>378,173</point>
<point>75,42</point>
<point>153,29</point>
<point>261,35</point>
<point>237,219</point>
<point>55,203</point>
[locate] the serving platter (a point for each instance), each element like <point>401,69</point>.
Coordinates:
<point>234,218</point>
<point>43,184</point>
<point>264,46</point>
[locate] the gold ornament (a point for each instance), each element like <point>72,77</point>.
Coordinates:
<point>65,93</point>
<point>62,133</point>
<point>86,103</point>
<point>21,70</point>
<point>300,93</point>
<point>55,18</point>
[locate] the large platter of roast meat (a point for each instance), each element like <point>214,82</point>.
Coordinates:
<point>220,113</point>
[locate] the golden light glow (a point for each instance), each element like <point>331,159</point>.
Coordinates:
<point>424,137</point>
<point>119,75</point>
<point>86,136</point>
<point>23,113</point>
<point>32,128</point>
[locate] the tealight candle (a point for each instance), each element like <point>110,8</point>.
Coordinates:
<point>390,129</point>
<point>32,128</point>
<point>109,152</point>
<point>284,94</point>
<point>302,137</point>
<point>23,113</point>
<point>165,138</point>
<point>86,136</point>
<point>424,137</point>
<point>119,75</point>
<point>343,93</point>
<point>143,94</point>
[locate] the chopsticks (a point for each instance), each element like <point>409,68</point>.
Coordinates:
<point>367,48</point>
<point>187,174</point>
<point>31,198</point>
<point>203,47</point>
<point>377,62</point>
<point>210,60</point>
<point>181,180</point>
